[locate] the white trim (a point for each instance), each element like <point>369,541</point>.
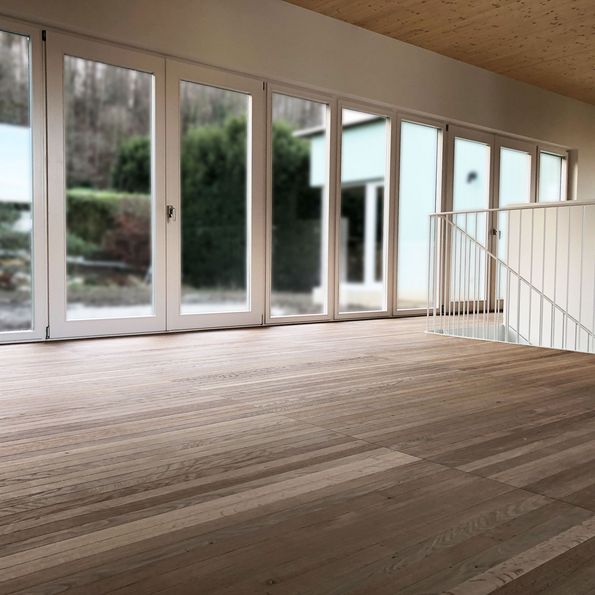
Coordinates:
<point>39,306</point>
<point>60,327</point>
<point>182,71</point>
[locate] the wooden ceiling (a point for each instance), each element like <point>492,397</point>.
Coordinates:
<point>548,43</point>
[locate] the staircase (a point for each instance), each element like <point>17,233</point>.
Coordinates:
<point>522,275</point>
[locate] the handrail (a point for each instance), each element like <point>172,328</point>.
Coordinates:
<point>520,277</point>
<point>533,205</point>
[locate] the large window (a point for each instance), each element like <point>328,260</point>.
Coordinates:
<point>299,206</point>
<point>418,191</point>
<point>552,179</point>
<point>172,203</point>
<point>214,190</point>
<point>16,185</point>
<point>362,246</point>
<point>108,146</point>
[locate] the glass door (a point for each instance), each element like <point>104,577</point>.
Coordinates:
<point>106,189</point>
<point>470,190</point>
<point>215,172</point>
<point>23,303</point>
<point>362,228</point>
<point>515,177</point>
<point>420,158</point>
<point>299,260</point>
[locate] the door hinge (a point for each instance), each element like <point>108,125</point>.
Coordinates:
<point>44,35</point>
<point>47,332</point>
<point>171,213</point>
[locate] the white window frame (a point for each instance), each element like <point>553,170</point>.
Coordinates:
<point>39,305</point>
<point>184,71</point>
<point>440,196</point>
<point>60,45</point>
<point>328,220</point>
<point>515,145</point>
<point>389,209</point>
<point>559,152</point>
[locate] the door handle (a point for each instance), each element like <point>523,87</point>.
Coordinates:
<point>171,213</point>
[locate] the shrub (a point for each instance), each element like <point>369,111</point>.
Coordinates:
<point>214,209</point>
<point>110,225</point>
<point>115,225</point>
<point>132,171</point>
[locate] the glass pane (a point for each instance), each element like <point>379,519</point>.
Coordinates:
<point>418,184</point>
<point>16,182</point>
<point>471,188</point>
<point>215,195</point>
<point>550,177</point>
<point>362,255</point>
<point>300,207</point>
<point>108,145</point>
<point>514,189</point>
<point>471,191</point>
<point>515,177</point>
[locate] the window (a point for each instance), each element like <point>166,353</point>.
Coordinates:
<point>515,187</point>
<point>108,150</point>
<point>471,186</point>
<point>552,177</point>
<point>515,177</point>
<point>17,253</point>
<point>362,245</point>
<point>418,192</point>
<point>300,147</point>
<point>214,213</point>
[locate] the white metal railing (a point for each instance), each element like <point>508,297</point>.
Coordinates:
<point>521,274</point>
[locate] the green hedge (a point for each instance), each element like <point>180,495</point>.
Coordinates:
<point>98,221</point>
<point>213,209</point>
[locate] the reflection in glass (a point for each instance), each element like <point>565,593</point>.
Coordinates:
<point>418,186</point>
<point>300,207</point>
<point>16,180</point>
<point>108,136</point>
<point>550,177</point>
<point>215,199</point>
<point>362,252</point>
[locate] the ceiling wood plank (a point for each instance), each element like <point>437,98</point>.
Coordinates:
<point>548,43</point>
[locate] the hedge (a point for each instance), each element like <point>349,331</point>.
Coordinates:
<point>104,224</point>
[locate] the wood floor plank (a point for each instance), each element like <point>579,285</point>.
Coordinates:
<point>337,459</point>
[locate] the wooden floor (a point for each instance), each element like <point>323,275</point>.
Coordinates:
<point>355,458</point>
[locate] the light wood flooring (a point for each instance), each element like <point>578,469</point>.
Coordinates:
<point>354,458</point>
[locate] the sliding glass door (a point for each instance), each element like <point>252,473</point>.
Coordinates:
<point>215,229</point>
<point>420,159</point>
<point>106,189</point>
<point>23,311</point>
<point>363,220</point>
<point>299,175</point>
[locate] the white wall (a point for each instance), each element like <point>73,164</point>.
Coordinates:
<point>272,39</point>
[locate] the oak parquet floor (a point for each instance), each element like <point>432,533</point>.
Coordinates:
<point>342,459</point>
